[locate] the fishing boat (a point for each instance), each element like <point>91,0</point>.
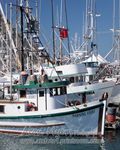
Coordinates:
<point>82,75</point>
<point>47,108</point>
<point>40,110</point>
<point>78,77</point>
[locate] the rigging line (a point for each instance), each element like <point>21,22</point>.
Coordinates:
<point>100,73</point>
<point>62,43</point>
<point>110,52</point>
<point>27,15</point>
<point>56,72</point>
<point>54,69</point>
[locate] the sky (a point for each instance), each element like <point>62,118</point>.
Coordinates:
<point>75,13</point>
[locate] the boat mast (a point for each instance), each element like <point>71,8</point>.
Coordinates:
<point>63,32</point>
<point>53,33</point>
<point>60,23</point>
<point>10,51</point>
<point>36,5</point>
<point>67,27</point>
<point>22,50</point>
<point>7,42</point>
<point>116,34</point>
<point>6,8</point>
<point>92,14</point>
<point>16,41</point>
<point>90,35</point>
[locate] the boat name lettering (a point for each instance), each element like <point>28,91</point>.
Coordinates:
<point>84,113</point>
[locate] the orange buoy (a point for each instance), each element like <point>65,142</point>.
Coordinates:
<point>110,118</point>
<point>111,114</point>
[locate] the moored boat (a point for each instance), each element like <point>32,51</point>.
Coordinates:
<point>50,114</point>
<point>76,74</point>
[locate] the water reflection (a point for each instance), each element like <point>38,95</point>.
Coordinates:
<point>20,142</point>
<point>13,142</point>
<point>110,135</point>
<point>110,141</point>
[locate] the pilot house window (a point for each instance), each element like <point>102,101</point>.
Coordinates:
<point>41,93</point>
<point>58,91</point>
<point>22,93</point>
<point>1,109</point>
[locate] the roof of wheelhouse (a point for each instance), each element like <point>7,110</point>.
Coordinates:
<point>41,85</point>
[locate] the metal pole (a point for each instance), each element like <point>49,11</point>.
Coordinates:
<point>7,40</point>
<point>67,27</point>
<point>36,9</point>
<point>53,32</point>
<point>10,51</point>
<point>61,54</point>
<point>22,50</point>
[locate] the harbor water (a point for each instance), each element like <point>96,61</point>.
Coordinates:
<point>111,141</point>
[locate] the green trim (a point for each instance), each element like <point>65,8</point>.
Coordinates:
<point>76,110</point>
<point>55,84</point>
<point>39,85</point>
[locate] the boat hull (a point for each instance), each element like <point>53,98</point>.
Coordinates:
<point>78,120</point>
<point>115,96</point>
<point>97,90</point>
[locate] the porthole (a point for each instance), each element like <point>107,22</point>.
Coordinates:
<point>18,107</point>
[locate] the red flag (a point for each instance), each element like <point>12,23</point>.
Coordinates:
<point>63,33</point>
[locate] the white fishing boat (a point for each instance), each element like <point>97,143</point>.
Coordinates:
<point>50,113</point>
<point>76,74</point>
<point>115,96</point>
<point>47,108</point>
<point>82,75</point>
